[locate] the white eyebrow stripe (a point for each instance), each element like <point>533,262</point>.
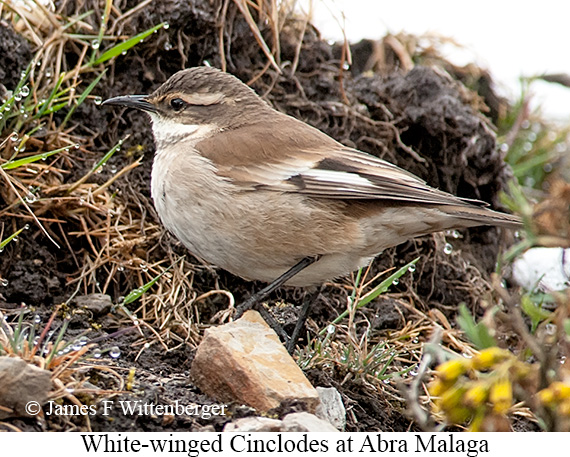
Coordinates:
<point>340,177</point>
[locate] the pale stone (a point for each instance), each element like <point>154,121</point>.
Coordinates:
<point>254,424</point>
<point>305,422</point>
<point>331,407</point>
<point>245,362</point>
<point>22,384</point>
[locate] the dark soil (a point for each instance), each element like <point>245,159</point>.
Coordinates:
<point>426,110</point>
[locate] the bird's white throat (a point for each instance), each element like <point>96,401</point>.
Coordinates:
<point>167,131</point>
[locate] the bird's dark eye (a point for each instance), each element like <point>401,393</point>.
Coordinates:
<point>177,104</point>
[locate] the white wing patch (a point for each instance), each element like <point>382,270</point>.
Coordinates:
<point>343,178</point>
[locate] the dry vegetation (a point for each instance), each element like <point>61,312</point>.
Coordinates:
<point>75,194</point>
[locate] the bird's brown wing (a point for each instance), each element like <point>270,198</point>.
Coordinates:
<point>293,157</point>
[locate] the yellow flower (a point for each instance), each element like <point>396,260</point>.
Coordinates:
<point>476,394</point>
<point>501,395</point>
<point>489,357</point>
<point>546,396</point>
<point>560,390</point>
<point>452,369</point>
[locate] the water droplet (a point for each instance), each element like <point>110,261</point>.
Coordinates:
<point>136,322</point>
<point>30,198</point>
<point>396,281</point>
<point>69,390</point>
<point>146,345</point>
<point>1,117</point>
<point>83,340</point>
<point>7,108</point>
<point>95,44</point>
<point>23,74</point>
<point>15,239</point>
<point>144,266</point>
<point>527,146</point>
<point>3,282</point>
<point>207,63</point>
<point>25,91</point>
<point>547,167</point>
<point>115,352</point>
<point>120,268</point>
<point>14,137</point>
<point>17,97</point>
<point>455,234</point>
<point>37,319</point>
<point>97,100</point>
<point>166,26</point>
<point>124,53</point>
<point>167,46</point>
<point>76,346</point>
<point>448,248</point>
<point>412,268</point>
<point>48,73</point>
<point>525,124</point>
<point>531,137</point>
<point>330,329</point>
<point>345,66</point>
<point>96,353</point>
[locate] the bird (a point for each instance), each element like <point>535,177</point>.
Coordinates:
<point>265,196</point>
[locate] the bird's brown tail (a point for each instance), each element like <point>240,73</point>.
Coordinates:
<point>473,216</point>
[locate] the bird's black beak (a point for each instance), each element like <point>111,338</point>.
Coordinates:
<point>132,101</point>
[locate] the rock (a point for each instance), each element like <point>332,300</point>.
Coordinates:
<point>254,424</point>
<point>98,304</point>
<point>22,384</point>
<point>245,362</point>
<point>294,422</point>
<point>331,407</point>
<point>305,422</point>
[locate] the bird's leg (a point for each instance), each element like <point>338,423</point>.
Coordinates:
<point>264,293</point>
<point>303,315</point>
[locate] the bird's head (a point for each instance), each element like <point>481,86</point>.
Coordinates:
<point>193,98</point>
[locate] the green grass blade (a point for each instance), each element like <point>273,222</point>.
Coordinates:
<point>77,19</point>
<point>379,289</point>
<point>384,285</point>
<point>5,242</point>
<point>137,293</point>
<point>51,96</point>
<point>126,45</point>
<point>31,159</point>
